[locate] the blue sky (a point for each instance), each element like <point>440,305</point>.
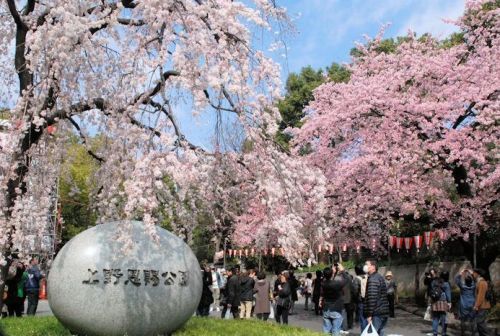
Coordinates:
<point>327,30</point>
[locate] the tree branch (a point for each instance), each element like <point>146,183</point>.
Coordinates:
<point>84,140</point>
<point>469,112</point>
<point>15,15</point>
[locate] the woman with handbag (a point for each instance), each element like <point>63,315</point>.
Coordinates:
<point>283,299</point>
<point>440,295</point>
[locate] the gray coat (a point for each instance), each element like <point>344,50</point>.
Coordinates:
<point>262,293</point>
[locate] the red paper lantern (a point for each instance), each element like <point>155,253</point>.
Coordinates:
<point>418,242</point>
<point>442,234</point>
<point>408,243</point>
<point>428,235</point>
<point>392,241</point>
<point>399,243</point>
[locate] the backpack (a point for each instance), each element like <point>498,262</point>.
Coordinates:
<point>436,292</point>
<point>490,295</point>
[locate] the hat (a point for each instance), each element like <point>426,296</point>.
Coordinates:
<point>389,273</point>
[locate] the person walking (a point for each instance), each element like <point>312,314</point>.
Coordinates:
<point>206,295</point>
<point>359,282</point>
<point>441,303</point>
<point>308,289</point>
<point>16,293</point>
<point>332,299</point>
<point>376,308</point>
<point>33,286</point>
<point>392,292</point>
<point>465,282</point>
<point>283,299</point>
<point>317,291</point>
<point>263,296</point>
<point>348,312</point>
<point>247,285</point>
<point>216,286</point>
<point>482,304</point>
<point>232,292</point>
<point>294,286</point>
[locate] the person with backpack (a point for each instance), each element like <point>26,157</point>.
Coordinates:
<point>359,283</point>
<point>440,296</point>
<point>484,296</point>
<point>465,282</point>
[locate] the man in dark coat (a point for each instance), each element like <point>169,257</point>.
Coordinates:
<point>247,284</point>
<point>233,292</point>
<point>332,300</point>
<point>376,308</point>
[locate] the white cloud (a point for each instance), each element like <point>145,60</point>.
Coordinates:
<point>428,16</point>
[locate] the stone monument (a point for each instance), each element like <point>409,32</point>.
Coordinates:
<point>96,289</point>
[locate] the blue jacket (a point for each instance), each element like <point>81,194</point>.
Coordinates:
<point>34,276</point>
<point>467,297</point>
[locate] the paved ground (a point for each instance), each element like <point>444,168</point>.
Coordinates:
<point>405,323</point>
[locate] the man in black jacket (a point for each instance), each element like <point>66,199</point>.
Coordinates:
<point>376,308</point>
<point>332,300</point>
<point>233,292</point>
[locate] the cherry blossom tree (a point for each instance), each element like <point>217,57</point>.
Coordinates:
<point>126,69</point>
<point>413,133</point>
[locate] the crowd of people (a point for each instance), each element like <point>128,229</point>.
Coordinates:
<point>22,283</point>
<point>476,298</point>
<point>343,300</point>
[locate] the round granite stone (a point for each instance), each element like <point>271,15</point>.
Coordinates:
<point>96,289</point>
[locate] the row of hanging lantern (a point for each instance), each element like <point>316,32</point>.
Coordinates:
<point>395,242</point>
<point>417,241</point>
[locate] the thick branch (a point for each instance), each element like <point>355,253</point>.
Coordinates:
<point>15,15</point>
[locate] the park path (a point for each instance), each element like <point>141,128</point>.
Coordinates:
<point>405,324</point>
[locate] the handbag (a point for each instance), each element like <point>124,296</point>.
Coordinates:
<point>369,330</point>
